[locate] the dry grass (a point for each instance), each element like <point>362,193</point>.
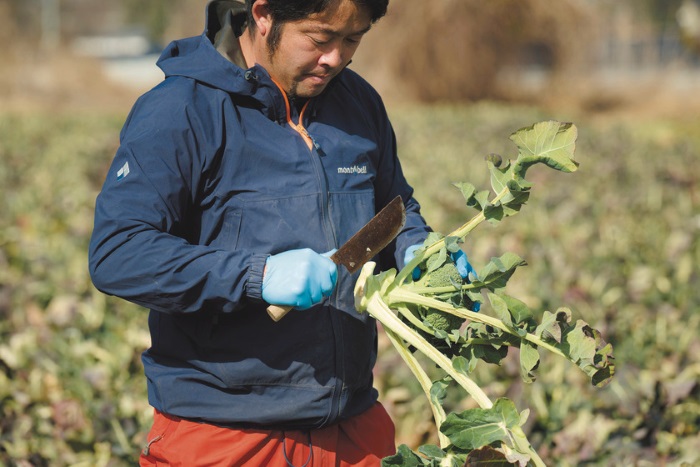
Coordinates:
<point>457,49</point>
<point>452,50</point>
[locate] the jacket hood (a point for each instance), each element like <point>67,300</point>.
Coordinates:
<point>215,57</point>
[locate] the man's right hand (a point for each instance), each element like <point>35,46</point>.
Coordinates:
<point>299,278</point>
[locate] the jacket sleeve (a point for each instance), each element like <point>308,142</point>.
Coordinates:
<point>139,248</point>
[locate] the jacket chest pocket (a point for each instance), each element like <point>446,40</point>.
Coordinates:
<point>274,225</point>
<point>348,164</point>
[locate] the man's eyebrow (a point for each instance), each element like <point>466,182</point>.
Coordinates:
<point>333,32</point>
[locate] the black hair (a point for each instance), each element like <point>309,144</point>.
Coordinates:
<point>284,11</point>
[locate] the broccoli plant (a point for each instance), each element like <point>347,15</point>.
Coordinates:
<point>435,314</point>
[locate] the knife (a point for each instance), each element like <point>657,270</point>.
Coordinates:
<point>365,244</point>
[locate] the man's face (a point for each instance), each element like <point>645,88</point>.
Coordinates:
<point>312,51</point>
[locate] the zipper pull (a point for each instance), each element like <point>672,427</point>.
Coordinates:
<point>315,144</point>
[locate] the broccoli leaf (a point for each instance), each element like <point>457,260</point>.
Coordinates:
<point>462,365</point>
<point>437,260</point>
<point>494,213</point>
<point>579,343</point>
<point>404,457</point>
<point>552,325</point>
<point>452,244</point>
<point>587,349</point>
<point>432,452</point>
<point>529,360</point>
<point>474,428</point>
<point>551,143</point>
<point>488,456</point>
<point>438,391</point>
<point>468,190</point>
<point>500,307</point>
<point>519,311</point>
<point>496,273</point>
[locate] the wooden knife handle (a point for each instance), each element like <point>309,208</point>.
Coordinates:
<point>277,312</point>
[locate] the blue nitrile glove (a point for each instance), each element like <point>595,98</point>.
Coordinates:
<point>408,256</point>
<point>299,278</point>
<point>466,270</point>
<point>460,258</point>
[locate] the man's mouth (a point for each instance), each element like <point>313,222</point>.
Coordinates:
<point>320,78</point>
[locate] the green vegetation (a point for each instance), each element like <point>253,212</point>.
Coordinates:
<point>617,242</point>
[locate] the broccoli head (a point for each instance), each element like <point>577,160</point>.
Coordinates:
<point>445,276</point>
<point>441,321</point>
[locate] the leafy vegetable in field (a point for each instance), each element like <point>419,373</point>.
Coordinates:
<point>435,315</point>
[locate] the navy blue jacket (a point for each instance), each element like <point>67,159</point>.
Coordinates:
<point>209,180</point>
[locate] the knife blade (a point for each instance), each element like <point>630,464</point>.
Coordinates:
<point>364,245</point>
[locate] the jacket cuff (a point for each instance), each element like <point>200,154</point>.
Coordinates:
<point>255,276</point>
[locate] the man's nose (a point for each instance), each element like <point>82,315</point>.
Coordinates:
<point>334,56</point>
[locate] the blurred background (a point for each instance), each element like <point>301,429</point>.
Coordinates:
<point>595,55</point>
<point>617,241</point>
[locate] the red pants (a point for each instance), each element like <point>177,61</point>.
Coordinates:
<point>361,441</point>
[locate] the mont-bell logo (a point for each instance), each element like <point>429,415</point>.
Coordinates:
<point>355,169</point>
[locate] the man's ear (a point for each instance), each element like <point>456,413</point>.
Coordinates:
<point>262,16</point>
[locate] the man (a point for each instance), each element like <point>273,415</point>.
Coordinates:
<point>257,155</point>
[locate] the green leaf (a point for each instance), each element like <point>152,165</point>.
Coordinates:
<point>452,244</point>
<point>475,428</point>
<point>588,350</point>
<point>494,159</point>
<point>500,307</point>
<point>475,296</point>
<point>552,325</point>
<point>432,452</point>
<point>489,353</point>
<point>462,365</point>
<point>437,260</point>
<point>519,311</point>
<point>499,177</point>
<point>494,213</point>
<point>438,391</point>
<point>467,353</point>
<point>468,190</point>
<point>432,238</point>
<point>514,201</point>
<point>581,344</point>
<point>487,456</point>
<point>482,200</point>
<point>529,360</point>
<point>404,457</point>
<point>603,360</point>
<point>496,273</point>
<point>551,143</point>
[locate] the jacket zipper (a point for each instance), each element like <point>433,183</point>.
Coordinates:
<point>312,144</point>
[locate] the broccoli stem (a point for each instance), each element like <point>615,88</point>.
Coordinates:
<point>413,319</point>
<point>380,311</point>
<point>424,380</point>
<point>378,308</point>
<point>399,295</point>
<point>442,290</point>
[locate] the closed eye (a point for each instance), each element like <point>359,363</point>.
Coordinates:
<point>320,40</point>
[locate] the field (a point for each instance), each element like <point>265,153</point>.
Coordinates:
<point>617,242</point>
